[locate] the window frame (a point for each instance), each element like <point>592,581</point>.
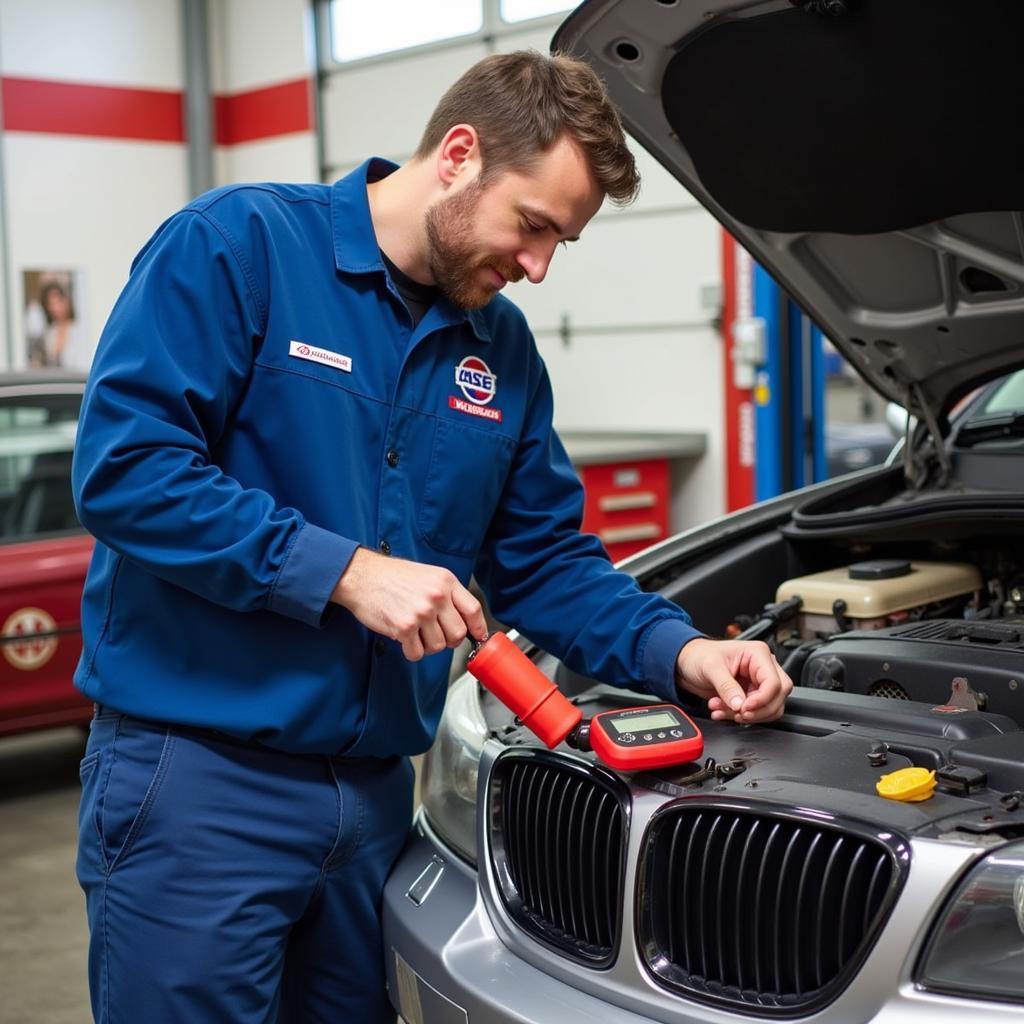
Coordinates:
<point>492,27</point>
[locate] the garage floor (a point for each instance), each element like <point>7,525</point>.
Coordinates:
<point>43,936</point>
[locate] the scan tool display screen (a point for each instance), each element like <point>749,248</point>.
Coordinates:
<point>661,720</point>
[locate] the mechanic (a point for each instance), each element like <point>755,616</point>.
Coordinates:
<point>310,419</point>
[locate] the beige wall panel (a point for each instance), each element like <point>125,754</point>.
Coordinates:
<point>223,168</point>
<point>260,42</point>
<point>285,158</point>
<point>217,45</point>
<point>113,42</point>
<point>637,270</point>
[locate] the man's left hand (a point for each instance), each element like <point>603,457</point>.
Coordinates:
<point>740,679</point>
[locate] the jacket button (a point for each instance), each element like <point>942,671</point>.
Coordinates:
<point>392,458</point>
<point>385,548</point>
<point>378,647</point>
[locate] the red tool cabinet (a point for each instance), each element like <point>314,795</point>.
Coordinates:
<point>626,504</point>
<point>629,480</point>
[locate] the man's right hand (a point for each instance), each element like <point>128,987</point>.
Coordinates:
<point>424,607</point>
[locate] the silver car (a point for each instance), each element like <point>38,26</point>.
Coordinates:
<point>860,151</point>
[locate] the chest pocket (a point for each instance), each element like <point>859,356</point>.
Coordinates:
<point>465,477</point>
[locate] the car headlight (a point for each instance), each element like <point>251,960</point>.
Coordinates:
<point>451,767</point>
<point>977,949</point>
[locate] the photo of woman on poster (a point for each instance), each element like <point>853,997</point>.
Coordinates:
<point>54,335</point>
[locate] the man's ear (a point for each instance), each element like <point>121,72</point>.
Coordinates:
<point>458,156</point>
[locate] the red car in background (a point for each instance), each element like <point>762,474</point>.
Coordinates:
<point>44,552</point>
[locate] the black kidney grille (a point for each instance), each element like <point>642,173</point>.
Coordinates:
<point>558,848</point>
<point>770,912</point>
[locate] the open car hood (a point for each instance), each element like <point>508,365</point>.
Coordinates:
<point>864,151</point>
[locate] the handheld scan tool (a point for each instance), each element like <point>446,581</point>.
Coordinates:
<point>654,736</point>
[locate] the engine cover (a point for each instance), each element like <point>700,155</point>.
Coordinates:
<point>920,661</point>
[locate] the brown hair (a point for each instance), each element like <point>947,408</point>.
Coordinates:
<point>521,103</point>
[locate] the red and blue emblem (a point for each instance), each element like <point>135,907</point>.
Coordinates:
<point>475,380</point>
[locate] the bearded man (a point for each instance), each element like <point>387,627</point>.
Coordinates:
<point>311,418</point>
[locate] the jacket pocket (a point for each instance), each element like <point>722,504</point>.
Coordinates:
<point>466,475</point>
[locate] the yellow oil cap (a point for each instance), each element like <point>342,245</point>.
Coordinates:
<point>907,784</point>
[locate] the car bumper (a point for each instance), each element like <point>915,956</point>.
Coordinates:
<point>447,963</point>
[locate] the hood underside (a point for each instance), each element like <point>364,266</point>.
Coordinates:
<point>864,151</point>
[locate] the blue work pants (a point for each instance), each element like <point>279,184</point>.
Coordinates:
<point>227,882</point>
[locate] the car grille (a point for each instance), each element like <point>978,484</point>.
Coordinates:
<point>772,912</point>
<point>558,835</point>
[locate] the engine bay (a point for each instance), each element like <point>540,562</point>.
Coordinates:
<point>944,633</point>
<point>906,644</point>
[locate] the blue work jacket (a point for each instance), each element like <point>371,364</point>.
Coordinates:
<point>260,405</point>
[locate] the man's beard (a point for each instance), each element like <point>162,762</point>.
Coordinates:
<point>454,262</point>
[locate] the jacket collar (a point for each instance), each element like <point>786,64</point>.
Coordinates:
<point>355,243</point>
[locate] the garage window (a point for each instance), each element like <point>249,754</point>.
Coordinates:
<point>367,28</point>
<point>523,10</point>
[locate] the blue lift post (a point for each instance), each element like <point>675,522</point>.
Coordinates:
<point>798,330</point>
<point>805,414</point>
<point>768,390</point>
<point>789,394</point>
<point>819,461</point>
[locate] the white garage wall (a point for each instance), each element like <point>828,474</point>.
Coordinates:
<point>88,200</point>
<point>255,44</point>
<point>84,202</point>
<point>114,42</point>
<point>642,353</point>
<point>6,301</point>
<point>120,192</point>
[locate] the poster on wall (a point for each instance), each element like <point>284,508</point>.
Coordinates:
<point>54,325</point>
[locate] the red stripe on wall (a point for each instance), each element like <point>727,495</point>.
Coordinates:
<point>72,108</point>
<point>263,113</point>
<point>118,112</point>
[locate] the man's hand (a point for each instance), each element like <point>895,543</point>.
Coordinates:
<point>740,679</point>
<point>424,607</point>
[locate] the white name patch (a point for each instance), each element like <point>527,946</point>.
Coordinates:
<point>300,350</point>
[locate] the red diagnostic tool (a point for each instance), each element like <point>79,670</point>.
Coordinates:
<point>647,737</point>
<point>656,736</point>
